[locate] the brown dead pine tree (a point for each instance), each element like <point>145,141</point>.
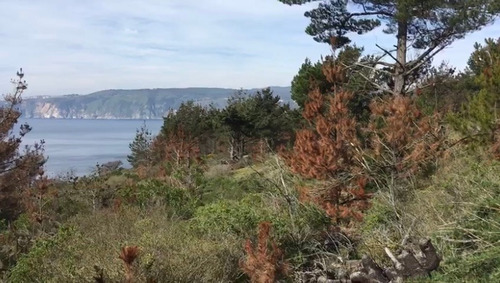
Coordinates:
<point>326,150</point>
<point>263,265</point>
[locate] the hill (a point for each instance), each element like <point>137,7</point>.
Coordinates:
<point>130,104</point>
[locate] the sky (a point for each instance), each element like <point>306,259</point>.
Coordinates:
<point>68,47</point>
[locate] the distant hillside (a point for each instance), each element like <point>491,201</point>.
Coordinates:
<point>129,104</point>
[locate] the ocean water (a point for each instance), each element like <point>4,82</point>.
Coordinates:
<point>74,145</point>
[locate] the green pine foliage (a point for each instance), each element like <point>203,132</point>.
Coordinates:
<point>426,26</point>
<point>309,75</point>
<point>140,148</point>
<point>259,117</point>
<point>480,116</point>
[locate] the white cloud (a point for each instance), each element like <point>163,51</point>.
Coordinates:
<point>68,46</point>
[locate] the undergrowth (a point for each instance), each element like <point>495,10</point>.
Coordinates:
<point>459,209</point>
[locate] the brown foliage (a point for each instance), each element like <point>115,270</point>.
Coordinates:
<point>334,73</point>
<point>128,256</point>
<point>37,196</point>
<point>262,264</point>
<point>179,147</point>
<point>403,140</point>
<point>328,150</point>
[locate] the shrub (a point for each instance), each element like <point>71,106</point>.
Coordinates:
<point>294,229</point>
<point>229,188</point>
<point>471,244</point>
<point>327,150</point>
<point>37,256</point>
<point>231,216</point>
<point>168,252</point>
<point>147,193</point>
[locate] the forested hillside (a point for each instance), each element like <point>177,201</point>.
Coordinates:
<point>130,104</point>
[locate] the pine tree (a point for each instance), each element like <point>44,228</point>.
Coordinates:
<point>141,151</point>
<point>184,135</point>
<point>311,75</point>
<point>403,141</point>
<point>270,120</point>
<point>236,119</point>
<point>427,26</point>
<point>259,117</point>
<point>18,169</point>
<point>264,260</point>
<point>480,116</point>
<point>327,150</point>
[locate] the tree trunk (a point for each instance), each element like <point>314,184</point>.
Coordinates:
<point>241,148</point>
<point>232,154</point>
<point>399,77</point>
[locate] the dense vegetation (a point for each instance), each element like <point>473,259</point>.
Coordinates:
<point>257,191</point>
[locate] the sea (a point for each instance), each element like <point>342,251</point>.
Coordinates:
<point>76,146</point>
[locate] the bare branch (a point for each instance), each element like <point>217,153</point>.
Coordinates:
<point>426,56</point>
<point>373,68</point>
<point>378,13</point>
<point>384,64</point>
<point>381,88</point>
<point>390,54</point>
<point>396,262</point>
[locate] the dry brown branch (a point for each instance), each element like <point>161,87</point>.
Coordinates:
<point>264,262</point>
<point>128,256</point>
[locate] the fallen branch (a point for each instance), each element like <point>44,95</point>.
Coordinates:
<point>409,263</point>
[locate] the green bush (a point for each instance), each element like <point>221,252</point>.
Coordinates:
<point>168,252</point>
<point>231,216</point>
<point>149,193</point>
<point>229,188</point>
<point>24,269</point>
<point>293,227</point>
<point>15,240</point>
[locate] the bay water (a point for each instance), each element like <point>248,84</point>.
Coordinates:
<point>78,145</point>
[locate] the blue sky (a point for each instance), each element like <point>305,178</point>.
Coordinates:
<point>67,46</point>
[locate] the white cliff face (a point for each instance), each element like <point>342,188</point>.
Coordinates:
<point>48,110</point>
<point>51,110</point>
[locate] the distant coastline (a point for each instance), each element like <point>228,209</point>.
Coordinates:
<point>138,104</point>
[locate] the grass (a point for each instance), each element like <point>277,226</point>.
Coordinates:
<point>459,209</point>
